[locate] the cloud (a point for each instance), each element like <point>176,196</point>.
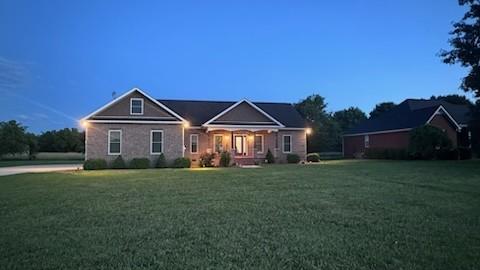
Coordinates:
<point>41,115</point>
<point>23,116</point>
<point>12,74</point>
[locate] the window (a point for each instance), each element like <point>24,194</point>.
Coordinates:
<point>156,142</point>
<point>218,143</point>
<point>194,143</point>
<point>258,143</point>
<point>367,141</point>
<point>114,142</point>
<point>287,143</point>
<point>136,106</point>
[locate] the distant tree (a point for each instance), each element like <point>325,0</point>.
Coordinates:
<point>465,43</point>
<point>348,118</point>
<point>382,108</point>
<point>454,99</point>
<point>313,108</point>
<point>64,140</point>
<point>32,144</point>
<point>12,138</point>
<point>324,137</point>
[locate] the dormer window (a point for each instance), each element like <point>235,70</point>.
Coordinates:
<point>136,106</point>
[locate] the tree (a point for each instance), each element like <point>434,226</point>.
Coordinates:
<point>382,108</point>
<point>465,43</point>
<point>324,137</point>
<point>64,140</point>
<point>348,118</point>
<point>313,108</point>
<point>12,138</point>
<point>426,141</point>
<point>474,127</point>
<point>454,99</point>
<point>32,144</point>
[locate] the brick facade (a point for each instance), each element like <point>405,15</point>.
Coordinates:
<point>135,141</point>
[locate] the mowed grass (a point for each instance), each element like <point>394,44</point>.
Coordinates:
<point>337,215</point>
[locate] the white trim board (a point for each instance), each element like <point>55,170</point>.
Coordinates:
<point>126,94</point>
<point>135,122</point>
<point>238,103</point>
<point>437,112</point>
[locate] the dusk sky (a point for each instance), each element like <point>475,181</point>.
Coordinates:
<point>61,60</point>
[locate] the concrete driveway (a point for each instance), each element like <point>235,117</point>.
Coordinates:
<point>39,168</point>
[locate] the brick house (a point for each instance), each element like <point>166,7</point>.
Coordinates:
<point>136,125</point>
<point>391,130</point>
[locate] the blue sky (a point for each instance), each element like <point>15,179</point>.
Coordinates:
<point>60,60</point>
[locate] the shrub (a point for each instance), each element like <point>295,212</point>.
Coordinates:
<point>161,162</point>
<point>225,159</point>
<point>181,163</point>
<point>464,153</point>
<point>386,153</point>
<point>269,157</point>
<point>206,159</point>
<point>313,157</point>
<point>446,154</point>
<point>118,163</point>
<point>140,163</point>
<point>293,158</point>
<point>95,164</point>
<point>426,142</point>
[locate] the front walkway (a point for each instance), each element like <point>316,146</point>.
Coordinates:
<point>39,168</point>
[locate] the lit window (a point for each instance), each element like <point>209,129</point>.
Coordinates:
<point>114,142</point>
<point>367,141</point>
<point>218,143</point>
<point>136,106</point>
<point>287,143</point>
<point>194,143</point>
<point>258,143</point>
<point>156,142</point>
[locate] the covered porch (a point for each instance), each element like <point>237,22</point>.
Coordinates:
<point>246,145</point>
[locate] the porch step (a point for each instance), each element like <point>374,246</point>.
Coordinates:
<point>244,161</point>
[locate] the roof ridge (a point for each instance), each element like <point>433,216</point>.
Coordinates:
<point>222,101</point>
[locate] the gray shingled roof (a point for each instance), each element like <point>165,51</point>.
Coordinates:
<point>410,113</point>
<point>198,112</point>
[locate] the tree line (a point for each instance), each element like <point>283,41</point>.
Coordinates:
<point>16,139</point>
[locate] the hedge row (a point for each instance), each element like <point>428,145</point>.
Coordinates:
<point>404,154</point>
<point>136,163</point>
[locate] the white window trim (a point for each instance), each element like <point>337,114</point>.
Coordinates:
<point>366,141</point>
<point>121,135</point>
<point>263,138</point>
<point>283,143</point>
<point>198,140</point>
<point>131,107</point>
<point>214,136</point>
<point>151,142</point>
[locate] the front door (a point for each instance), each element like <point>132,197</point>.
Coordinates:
<point>240,145</point>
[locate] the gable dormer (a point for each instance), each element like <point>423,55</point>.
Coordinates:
<point>243,112</point>
<point>135,105</point>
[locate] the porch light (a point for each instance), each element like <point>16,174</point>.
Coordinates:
<point>84,124</point>
<point>308,131</point>
<point>186,124</point>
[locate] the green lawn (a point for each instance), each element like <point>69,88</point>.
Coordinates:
<point>337,215</point>
<point>10,163</point>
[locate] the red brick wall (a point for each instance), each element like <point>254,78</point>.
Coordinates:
<point>354,145</point>
<point>443,123</point>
